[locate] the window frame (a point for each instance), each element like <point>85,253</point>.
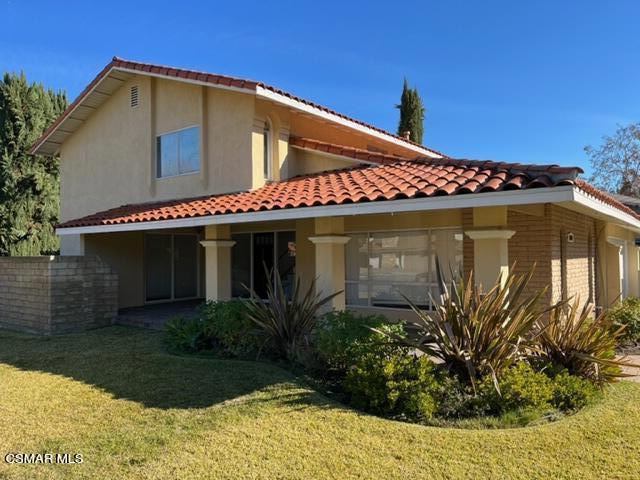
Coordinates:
<point>267,147</point>
<point>159,156</point>
<point>172,234</point>
<point>370,283</point>
<point>251,234</point>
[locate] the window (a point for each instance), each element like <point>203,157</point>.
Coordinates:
<point>178,152</point>
<point>252,252</point>
<point>382,267</point>
<point>266,151</point>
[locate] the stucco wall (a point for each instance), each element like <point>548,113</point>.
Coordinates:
<point>49,295</point>
<point>305,162</point>
<point>110,160</point>
<point>124,252</point>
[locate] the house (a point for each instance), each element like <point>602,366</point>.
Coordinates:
<point>187,183</point>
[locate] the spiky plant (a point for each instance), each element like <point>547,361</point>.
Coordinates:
<point>286,323</point>
<point>474,333</point>
<point>585,346</point>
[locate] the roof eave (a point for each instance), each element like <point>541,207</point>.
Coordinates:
<point>255,88</point>
<point>486,199</point>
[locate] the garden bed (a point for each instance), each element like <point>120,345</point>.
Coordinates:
<point>481,359</point>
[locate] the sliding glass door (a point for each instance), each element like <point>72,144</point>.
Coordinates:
<point>253,252</point>
<point>171,266</point>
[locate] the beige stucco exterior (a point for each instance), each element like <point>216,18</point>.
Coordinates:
<point>110,161</point>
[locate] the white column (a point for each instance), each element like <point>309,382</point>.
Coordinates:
<point>490,256</point>
<point>217,245</point>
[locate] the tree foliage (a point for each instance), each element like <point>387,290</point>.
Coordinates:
<point>411,113</point>
<point>29,188</point>
<point>616,163</point>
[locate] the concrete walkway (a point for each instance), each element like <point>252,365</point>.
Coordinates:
<point>155,316</point>
<point>635,371</point>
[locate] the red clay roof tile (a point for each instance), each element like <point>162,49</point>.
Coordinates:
<point>401,179</point>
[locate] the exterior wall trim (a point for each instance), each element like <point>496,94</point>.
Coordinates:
<point>492,234</point>
<point>217,243</point>
<point>330,239</point>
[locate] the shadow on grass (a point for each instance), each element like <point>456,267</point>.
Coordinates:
<point>132,364</point>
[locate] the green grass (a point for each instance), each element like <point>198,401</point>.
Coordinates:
<point>135,411</point>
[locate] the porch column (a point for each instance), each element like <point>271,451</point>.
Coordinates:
<point>217,245</point>
<point>616,269</point>
<point>490,245</point>
<point>329,241</point>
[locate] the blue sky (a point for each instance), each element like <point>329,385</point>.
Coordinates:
<point>504,80</point>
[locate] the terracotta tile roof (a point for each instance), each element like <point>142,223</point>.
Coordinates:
<point>344,151</point>
<point>210,78</point>
<point>391,181</point>
<point>605,197</point>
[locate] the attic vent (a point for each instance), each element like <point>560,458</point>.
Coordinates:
<point>135,97</point>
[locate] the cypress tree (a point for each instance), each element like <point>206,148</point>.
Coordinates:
<point>29,188</point>
<point>411,113</point>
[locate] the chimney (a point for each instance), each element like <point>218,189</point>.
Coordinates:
<point>406,135</point>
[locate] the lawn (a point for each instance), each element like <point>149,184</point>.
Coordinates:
<point>134,411</point>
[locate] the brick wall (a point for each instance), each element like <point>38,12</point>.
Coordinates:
<point>49,295</point>
<point>541,239</point>
<point>531,245</point>
<point>573,262</point>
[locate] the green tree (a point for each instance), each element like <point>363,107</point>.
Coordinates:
<point>29,188</point>
<point>411,113</point>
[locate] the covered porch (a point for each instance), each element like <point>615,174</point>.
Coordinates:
<point>373,259</point>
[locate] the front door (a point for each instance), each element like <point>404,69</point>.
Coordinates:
<point>171,266</point>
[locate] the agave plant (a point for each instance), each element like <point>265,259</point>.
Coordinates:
<point>475,333</point>
<point>585,346</point>
<point>286,321</point>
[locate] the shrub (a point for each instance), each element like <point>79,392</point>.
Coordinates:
<point>227,327</point>
<point>457,400</point>
<point>185,334</point>
<point>399,386</point>
<point>342,338</point>
<point>627,313</point>
<point>286,323</point>
<point>475,333</point>
<point>573,340</point>
<point>572,393</point>
<point>521,388</point>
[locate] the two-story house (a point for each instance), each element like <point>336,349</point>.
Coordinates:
<point>187,183</point>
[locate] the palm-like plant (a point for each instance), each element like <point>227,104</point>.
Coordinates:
<point>286,322</point>
<point>572,339</point>
<point>475,333</point>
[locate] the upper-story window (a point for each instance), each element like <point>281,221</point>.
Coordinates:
<point>178,153</point>
<point>267,148</point>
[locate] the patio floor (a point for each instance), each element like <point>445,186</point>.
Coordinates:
<point>155,316</point>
